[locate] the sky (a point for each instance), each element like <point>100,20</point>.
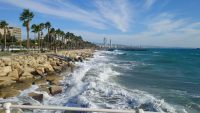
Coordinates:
<point>163,23</point>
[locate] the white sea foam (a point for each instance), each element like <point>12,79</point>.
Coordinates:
<point>91,85</point>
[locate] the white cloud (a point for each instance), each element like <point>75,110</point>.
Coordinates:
<point>148,3</point>
<point>163,30</point>
<point>116,11</point>
<point>95,18</point>
<point>164,23</point>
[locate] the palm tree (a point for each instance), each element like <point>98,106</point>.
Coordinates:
<point>48,26</point>
<point>26,16</point>
<point>41,27</point>
<point>35,29</point>
<point>52,37</point>
<point>4,25</point>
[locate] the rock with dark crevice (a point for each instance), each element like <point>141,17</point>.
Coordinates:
<point>36,96</point>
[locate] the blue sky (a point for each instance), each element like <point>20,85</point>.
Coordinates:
<point>166,23</point>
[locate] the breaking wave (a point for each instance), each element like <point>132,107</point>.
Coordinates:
<point>93,85</point>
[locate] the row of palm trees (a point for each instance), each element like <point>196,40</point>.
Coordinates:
<point>4,26</point>
<point>54,38</point>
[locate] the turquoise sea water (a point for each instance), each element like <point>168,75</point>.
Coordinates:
<point>169,74</point>
<point>164,80</point>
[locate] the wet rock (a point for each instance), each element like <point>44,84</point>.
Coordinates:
<point>5,70</point>
<point>55,90</point>
<point>8,92</point>
<point>41,81</point>
<point>36,96</point>
<point>53,76</point>
<point>22,85</point>
<point>44,88</point>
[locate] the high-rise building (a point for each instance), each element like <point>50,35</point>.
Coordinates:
<point>1,31</point>
<point>14,31</point>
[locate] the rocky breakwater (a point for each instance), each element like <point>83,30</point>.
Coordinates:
<point>18,73</point>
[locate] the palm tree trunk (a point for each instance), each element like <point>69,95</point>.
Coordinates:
<point>28,43</point>
<point>48,44</point>
<point>4,39</point>
<point>38,41</point>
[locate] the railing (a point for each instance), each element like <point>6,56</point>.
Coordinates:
<point>8,107</point>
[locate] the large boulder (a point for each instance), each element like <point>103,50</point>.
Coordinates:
<point>40,70</point>
<point>16,65</point>
<point>44,88</point>
<point>5,70</point>
<point>53,63</point>
<point>55,90</point>
<point>48,68</point>
<point>22,85</point>
<point>28,69</point>
<point>25,75</point>
<point>1,63</point>
<point>6,81</point>
<point>36,96</point>
<point>7,61</point>
<point>14,75</point>
<point>57,68</point>
<point>8,92</point>
<point>41,81</point>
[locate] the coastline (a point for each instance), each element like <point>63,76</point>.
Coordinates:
<point>20,72</point>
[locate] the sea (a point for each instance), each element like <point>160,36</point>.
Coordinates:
<point>159,80</point>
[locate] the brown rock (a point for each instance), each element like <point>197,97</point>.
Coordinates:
<point>2,64</point>
<point>41,81</point>
<point>22,85</point>
<point>6,81</point>
<point>36,96</point>
<point>48,68</point>
<point>40,70</point>
<point>55,90</point>
<point>28,69</point>
<point>5,70</point>
<point>25,75</point>
<point>57,68</point>
<point>43,88</point>
<point>8,92</point>
<point>53,76</point>
<point>7,61</point>
<point>14,75</point>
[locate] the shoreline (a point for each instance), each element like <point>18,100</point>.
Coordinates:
<point>19,73</point>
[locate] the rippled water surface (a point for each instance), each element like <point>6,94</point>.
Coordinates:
<point>166,80</point>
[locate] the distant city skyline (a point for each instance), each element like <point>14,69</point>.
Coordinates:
<point>163,23</point>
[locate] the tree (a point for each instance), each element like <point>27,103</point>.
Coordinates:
<point>41,27</point>
<point>26,16</point>
<point>48,26</point>
<point>4,25</point>
<point>52,37</point>
<point>35,29</point>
